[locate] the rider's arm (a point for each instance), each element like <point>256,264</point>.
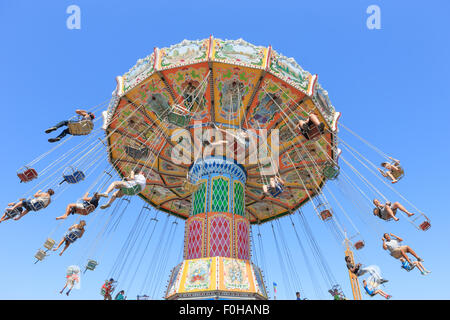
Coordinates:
<point>384,244</point>
<point>81,112</point>
<point>132,175</point>
<point>85,197</point>
<point>398,238</point>
<point>37,194</point>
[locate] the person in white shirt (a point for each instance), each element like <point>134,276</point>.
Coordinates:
<point>396,250</point>
<point>131,186</point>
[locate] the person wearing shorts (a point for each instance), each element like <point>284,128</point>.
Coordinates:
<point>396,250</point>
<point>77,231</point>
<point>388,210</point>
<point>373,292</point>
<point>132,185</point>
<point>12,214</point>
<point>84,208</point>
<point>410,266</point>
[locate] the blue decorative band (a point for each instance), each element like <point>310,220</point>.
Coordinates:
<point>216,165</point>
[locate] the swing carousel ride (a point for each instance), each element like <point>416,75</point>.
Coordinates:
<point>213,125</point>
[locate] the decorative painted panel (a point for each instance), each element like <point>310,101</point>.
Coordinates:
<point>220,194</point>
<point>219,235</point>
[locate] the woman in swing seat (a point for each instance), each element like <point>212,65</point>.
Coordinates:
<point>396,250</point>
<point>88,205</point>
<point>75,232</point>
<point>132,185</point>
<point>305,126</point>
<point>409,266</point>
<point>274,187</point>
<point>40,201</point>
<point>87,118</point>
<point>371,291</point>
<point>388,210</point>
<point>393,170</point>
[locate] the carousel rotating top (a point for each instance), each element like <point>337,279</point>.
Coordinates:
<point>226,84</point>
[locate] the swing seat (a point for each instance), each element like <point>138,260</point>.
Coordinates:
<point>330,171</point>
<point>275,192</point>
<point>74,177</point>
<point>424,226</point>
<point>131,191</point>
<point>326,215</point>
<point>178,116</point>
<point>37,205</point>
<point>87,210</point>
<point>27,174</point>
<point>313,132</point>
<point>136,153</point>
<point>398,174</point>
<point>80,127</point>
<point>91,265</point>
<point>12,214</point>
<point>144,297</point>
<point>178,120</point>
<point>72,236</point>
<point>49,243</point>
<point>40,255</point>
<point>359,244</point>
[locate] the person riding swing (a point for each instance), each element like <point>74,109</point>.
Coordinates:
<point>75,232</point>
<point>40,201</point>
<point>87,206</point>
<point>132,185</point>
<point>311,128</point>
<point>80,127</point>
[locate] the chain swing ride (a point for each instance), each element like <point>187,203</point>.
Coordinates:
<point>225,96</point>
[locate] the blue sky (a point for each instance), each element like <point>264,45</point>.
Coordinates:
<point>391,86</point>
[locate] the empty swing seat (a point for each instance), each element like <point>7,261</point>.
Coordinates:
<point>27,174</point>
<point>330,171</point>
<point>359,244</point>
<point>326,215</point>
<point>136,153</point>
<point>91,265</point>
<point>74,177</point>
<point>49,243</point>
<point>424,226</point>
<point>178,116</point>
<point>40,255</point>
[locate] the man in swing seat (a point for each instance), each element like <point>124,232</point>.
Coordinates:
<point>75,232</point>
<point>388,210</point>
<point>40,201</point>
<point>81,127</point>
<point>132,185</point>
<point>396,250</point>
<point>372,291</point>
<point>84,208</point>
<point>275,186</point>
<point>409,266</point>
<point>306,126</point>
<point>393,170</point>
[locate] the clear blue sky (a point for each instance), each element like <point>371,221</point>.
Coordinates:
<point>391,86</point>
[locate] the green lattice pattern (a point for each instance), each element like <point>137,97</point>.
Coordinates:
<point>238,199</point>
<point>199,199</point>
<point>219,201</point>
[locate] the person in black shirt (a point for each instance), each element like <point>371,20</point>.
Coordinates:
<point>87,206</point>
